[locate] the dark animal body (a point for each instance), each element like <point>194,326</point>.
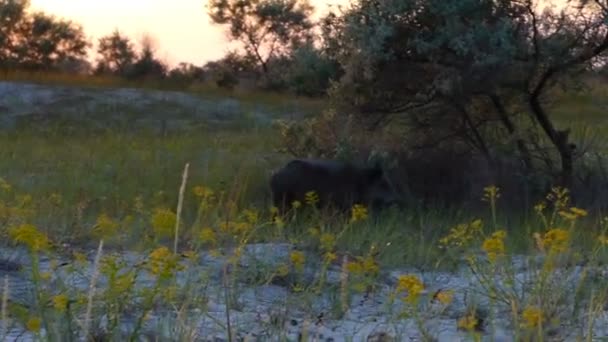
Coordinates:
<point>338,184</point>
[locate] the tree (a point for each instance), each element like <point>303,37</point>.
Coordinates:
<point>187,72</point>
<point>267,28</point>
<point>116,54</point>
<point>147,65</point>
<point>458,70</point>
<point>310,71</point>
<point>12,20</point>
<point>227,70</point>
<point>38,40</point>
<point>48,42</point>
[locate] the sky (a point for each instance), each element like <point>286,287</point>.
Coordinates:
<point>181,28</point>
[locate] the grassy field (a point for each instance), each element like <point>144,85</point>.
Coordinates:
<point>76,185</point>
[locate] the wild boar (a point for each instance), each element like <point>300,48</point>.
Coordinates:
<point>337,184</point>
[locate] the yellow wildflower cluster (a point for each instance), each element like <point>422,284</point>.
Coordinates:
<point>296,204</point>
<point>462,234</point>
<point>235,227</point>
<point>208,235</point>
<point>555,240</point>
<point>327,241</point>
<point>311,198</point>
<point>163,263</point>
<point>491,193</point>
<point>362,266</point>
<point>278,222</point>
<point>30,236</point>
<point>358,213</point>
<point>163,222</point>
<point>559,197</point>
<point>532,317</point>
<point>4,185</point>
<point>494,246</point>
<point>251,216</point>
<point>603,239</point>
<point>203,192</point>
<point>33,324</point>
<point>412,285</point>
<point>468,322</point>
<point>206,195</point>
<point>572,214</point>
<point>445,297</point>
<point>60,302</point>
<point>297,259</point>
<point>105,227</point>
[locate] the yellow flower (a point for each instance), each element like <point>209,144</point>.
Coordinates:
<point>567,215</point>
<point>55,199</point>
<point>370,266</point>
<point>123,283</point>
<point>462,234</point>
<point>30,236</point>
<point>207,235</point>
<point>354,267</point>
<point>80,257</point>
<point>60,302</point>
<point>202,191</point>
<point>468,322</point>
<point>603,239</point>
<point>532,317</point>
<point>33,324</point>
<point>241,227</point>
<point>329,257</point>
<point>556,240</point>
<point>5,185</point>
<point>163,222</point>
<point>274,210</point>
<point>314,232</point>
<point>105,226</point>
<point>491,193</point>
<point>283,270</point>
<point>163,262</point>
<point>251,216</point>
<point>296,204</point>
<point>358,213</point>
<point>297,259</point>
<point>279,222</point>
<point>410,284</point>
<point>445,297</point>
<point>540,207</point>
<point>328,241</point>
<point>578,212</point>
<point>190,255</point>
<point>311,198</point>
<point>494,246</point>
<point>559,196</point>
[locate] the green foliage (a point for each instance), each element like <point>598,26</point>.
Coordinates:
<point>147,65</point>
<point>116,54</point>
<point>266,28</point>
<point>311,71</point>
<point>37,40</point>
<point>465,76</point>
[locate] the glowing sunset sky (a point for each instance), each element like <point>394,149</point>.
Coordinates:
<point>181,28</point>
